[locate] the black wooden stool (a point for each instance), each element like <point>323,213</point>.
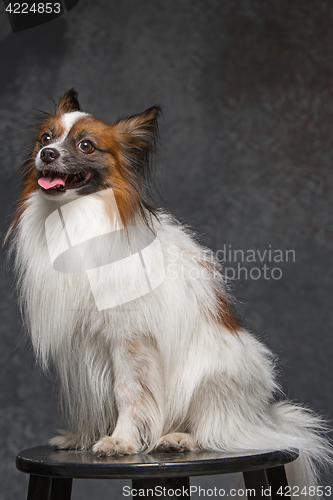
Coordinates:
<point>165,475</point>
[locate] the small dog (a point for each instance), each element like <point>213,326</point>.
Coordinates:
<point>132,313</point>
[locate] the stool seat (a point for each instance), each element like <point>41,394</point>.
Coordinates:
<point>47,461</point>
<point>51,471</point>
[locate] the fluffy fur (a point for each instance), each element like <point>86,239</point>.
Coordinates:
<point>173,368</point>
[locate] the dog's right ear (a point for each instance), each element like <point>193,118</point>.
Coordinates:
<point>68,102</point>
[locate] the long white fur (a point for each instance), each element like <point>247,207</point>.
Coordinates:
<point>196,376</point>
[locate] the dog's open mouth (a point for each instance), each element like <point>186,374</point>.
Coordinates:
<point>57,181</point>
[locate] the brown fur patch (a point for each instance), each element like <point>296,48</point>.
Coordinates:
<point>136,137</point>
<point>222,312</point>
<point>126,184</point>
<point>225,314</point>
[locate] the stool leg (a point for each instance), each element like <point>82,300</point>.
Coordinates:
<point>169,488</point>
<point>266,482</point>
<point>257,482</point>
<point>39,487</point>
<point>277,478</point>
<point>49,488</point>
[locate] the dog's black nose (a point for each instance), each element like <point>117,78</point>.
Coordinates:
<point>48,155</point>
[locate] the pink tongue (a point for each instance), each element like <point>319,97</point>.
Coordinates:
<point>50,182</point>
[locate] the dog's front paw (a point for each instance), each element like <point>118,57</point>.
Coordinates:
<point>109,446</point>
<point>66,440</point>
<point>177,441</point>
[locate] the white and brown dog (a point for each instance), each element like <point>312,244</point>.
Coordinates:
<point>146,346</point>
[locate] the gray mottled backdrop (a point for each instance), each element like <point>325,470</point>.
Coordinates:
<point>246,88</point>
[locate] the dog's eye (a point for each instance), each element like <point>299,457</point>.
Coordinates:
<point>45,139</point>
<point>86,147</point>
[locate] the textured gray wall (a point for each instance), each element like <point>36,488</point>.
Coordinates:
<point>246,153</point>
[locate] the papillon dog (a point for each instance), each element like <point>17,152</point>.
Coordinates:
<point>132,313</point>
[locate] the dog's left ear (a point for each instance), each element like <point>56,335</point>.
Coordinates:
<point>139,125</point>
<point>68,102</point>
<point>137,136</point>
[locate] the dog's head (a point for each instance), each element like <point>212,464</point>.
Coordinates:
<point>77,154</point>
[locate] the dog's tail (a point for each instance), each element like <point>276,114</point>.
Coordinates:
<point>284,426</point>
<point>306,432</point>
